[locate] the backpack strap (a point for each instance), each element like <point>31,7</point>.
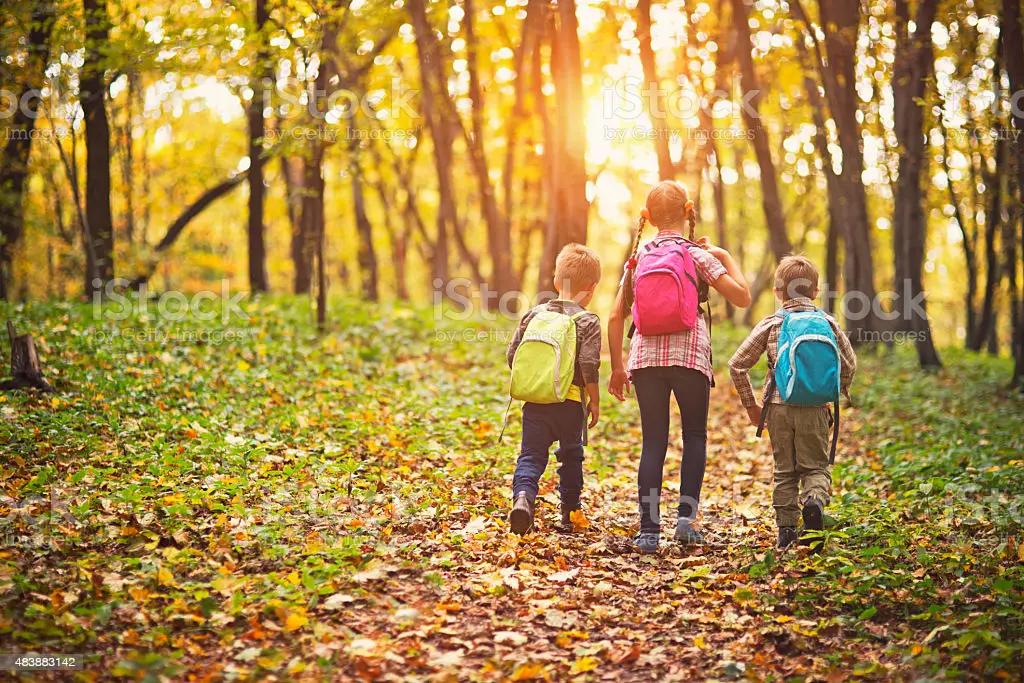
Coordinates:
<point>764,408</point>
<point>835,434</point>
<point>781,314</point>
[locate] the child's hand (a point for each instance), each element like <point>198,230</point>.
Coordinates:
<point>595,413</point>
<point>754,413</point>
<point>705,244</point>
<point>618,384</point>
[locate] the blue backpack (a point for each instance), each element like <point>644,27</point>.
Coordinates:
<point>807,365</point>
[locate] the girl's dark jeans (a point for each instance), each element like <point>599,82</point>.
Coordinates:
<point>544,424</point>
<point>654,389</point>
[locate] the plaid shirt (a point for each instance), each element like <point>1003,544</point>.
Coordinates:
<point>691,348</point>
<point>765,337</point>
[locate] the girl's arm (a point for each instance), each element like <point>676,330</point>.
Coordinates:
<point>733,286</point>
<point>618,383</point>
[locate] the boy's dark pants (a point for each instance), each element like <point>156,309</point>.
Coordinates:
<point>543,424</point>
<point>800,444</point>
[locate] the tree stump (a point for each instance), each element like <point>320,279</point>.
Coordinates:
<point>25,368</point>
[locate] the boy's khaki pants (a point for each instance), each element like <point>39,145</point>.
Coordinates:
<point>800,444</point>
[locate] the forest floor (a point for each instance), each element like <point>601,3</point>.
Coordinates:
<point>205,500</point>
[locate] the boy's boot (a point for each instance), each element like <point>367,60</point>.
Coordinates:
<point>521,516</point>
<point>787,536</point>
<point>686,534</point>
<point>814,518</point>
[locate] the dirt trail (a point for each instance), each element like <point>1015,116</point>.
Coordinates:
<point>550,605</point>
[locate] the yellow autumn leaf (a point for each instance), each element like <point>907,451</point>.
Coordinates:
<point>700,642</point>
<point>584,664</point>
<point>164,576</point>
<point>579,520</point>
<point>529,671</point>
<point>295,620</point>
<point>243,366</point>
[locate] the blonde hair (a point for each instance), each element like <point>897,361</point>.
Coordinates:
<point>669,206</point>
<point>579,266</point>
<point>796,276</point>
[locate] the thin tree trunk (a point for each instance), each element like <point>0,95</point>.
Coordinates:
<point>914,61</point>
<point>499,239</point>
<point>128,160</point>
<point>569,206</point>
<point>993,221</point>
<point>848,197</point>
<point>14,165</point>
<point>364,229</point>
<point>293,170</point>
<point>432,81</point>
<point>653,100</point>
<point>93,91</point>
<point>967,243</point>
<point>257,131</point>
<point>770,198</point>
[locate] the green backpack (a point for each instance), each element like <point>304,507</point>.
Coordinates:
<point>545,361</point>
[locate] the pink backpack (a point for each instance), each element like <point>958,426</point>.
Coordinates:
<point>665,288</point>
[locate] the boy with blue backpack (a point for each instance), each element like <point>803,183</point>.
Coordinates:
<point>810,363</point>
<point>555,356</point>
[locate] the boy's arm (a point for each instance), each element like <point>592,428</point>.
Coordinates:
<point>746,357</point>
<point>848,362</point>
<point>589,358</point>
<point>510,354</point>
<point>593,402</point>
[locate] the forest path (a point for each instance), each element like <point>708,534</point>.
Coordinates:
<point>551,605</point>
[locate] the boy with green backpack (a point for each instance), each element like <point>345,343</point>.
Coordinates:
<point>810,363</point>
<point>555,356</point>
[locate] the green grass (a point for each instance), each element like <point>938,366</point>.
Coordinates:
<point>175,496</point>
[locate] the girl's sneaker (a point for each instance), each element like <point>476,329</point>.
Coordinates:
<point>686,534</point>
<point>647,542</point>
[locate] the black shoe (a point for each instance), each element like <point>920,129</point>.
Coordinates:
<point>521,516</point>
<point>813,522</point>
<point>787,536</point>
<point>686,534</point>
<point>647,542</point>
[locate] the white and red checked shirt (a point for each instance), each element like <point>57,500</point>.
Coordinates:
<point>689,349</point>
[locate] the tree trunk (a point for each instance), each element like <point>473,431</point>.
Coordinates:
<point>832,182</point>
<point>93,90</point>
<point>771,200</point>
<point>293,169</point>
<point>847,196</point>
<point>25,368</point>
<point>499,238</point>
<point>257,130</point>
<point>968,242</point>
<point>914,61</point>
<point>652,86</point>
<point>569,207</point>
<point>993,220</point>
<point>531,34</point>
<point>364,229</point>
<point>14,165</point>
<point>1012,31</point>
<point>434,88</point>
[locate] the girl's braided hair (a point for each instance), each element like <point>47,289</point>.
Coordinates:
<point>669,206</point>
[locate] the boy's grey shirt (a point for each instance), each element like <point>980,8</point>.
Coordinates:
<point>588,339</point>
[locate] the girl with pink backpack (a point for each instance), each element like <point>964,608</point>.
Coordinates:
<point>670,349</point>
